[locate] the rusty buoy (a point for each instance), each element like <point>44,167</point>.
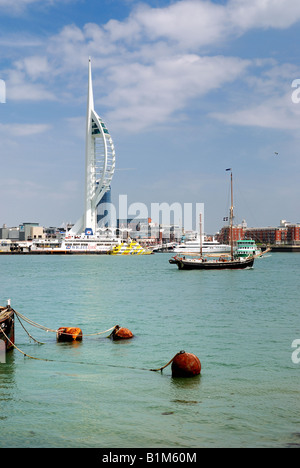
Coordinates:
<point>69,334</point>
<point>120,333</point>
<point>185,365</point>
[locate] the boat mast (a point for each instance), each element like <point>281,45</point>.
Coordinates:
<point>201,249</point>
<point>231,216</point>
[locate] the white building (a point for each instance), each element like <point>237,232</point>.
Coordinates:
<point>99,165</point>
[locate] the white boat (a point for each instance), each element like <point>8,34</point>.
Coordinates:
<point>208,247</point>
<point>89,244</point>
<point>85,244</point>
<point>246,248</point>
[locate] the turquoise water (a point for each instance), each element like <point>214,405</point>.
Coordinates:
<point>99,393</point>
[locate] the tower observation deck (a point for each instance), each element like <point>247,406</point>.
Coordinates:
<point>99,164</point>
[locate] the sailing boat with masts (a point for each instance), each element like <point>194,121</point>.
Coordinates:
<point>222,263</point>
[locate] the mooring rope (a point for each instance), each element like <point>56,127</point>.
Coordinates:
<point>18,314</point>
<point>84,363</point>
<point>34,324</point>
<point>20,351</point>
<point>30,336</point>
<point>100,333</point>
<point>71,362</point>
<point>47,329</point>
<point>5,312</point>
<point>161,368</point>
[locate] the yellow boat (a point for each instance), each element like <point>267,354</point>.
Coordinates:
<point>129,248</point>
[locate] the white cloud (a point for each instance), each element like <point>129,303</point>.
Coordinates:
<point>20,87</point>
<point>21,130</point>
<point>16,4</point>
<point>188,23</point>
<point>198,23</point>
<point>15,41</point>
<point>148,94</point>
<point>267,101</point>
<point>278,113</point>
<point>247,14</point>
<point>17,7</point>
<point>34,66</point>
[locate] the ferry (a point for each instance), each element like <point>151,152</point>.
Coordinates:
<point>89,244</point>
<point>247,248</point>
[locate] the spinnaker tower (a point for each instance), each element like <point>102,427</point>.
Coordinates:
<point>99,165</point>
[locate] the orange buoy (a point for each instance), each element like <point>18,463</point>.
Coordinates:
<point>185,365</point>
<point>121,333</point>
<point>67,334</point>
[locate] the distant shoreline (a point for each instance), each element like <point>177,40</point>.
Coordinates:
<point>274,248</point>
<point>54,252</point>
<point>285,248</point>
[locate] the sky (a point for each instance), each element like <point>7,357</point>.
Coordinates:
<point>187,89</point>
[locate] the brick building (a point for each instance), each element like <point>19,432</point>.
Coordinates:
<point>286,233</point>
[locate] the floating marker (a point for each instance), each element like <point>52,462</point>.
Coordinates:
<point>121,334</point>
<point>69,334</point>
<point>185,365</point>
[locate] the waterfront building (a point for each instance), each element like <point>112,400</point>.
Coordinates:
<point>11,233</point>
<point>99,165</point>
<point>286,233</point>
<point>30,231</point>
<point>25,232</point>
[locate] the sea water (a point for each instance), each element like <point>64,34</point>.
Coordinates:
<point>102,394</point>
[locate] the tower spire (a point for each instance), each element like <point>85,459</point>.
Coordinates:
<point>90,88</point>
<point>89,222</point>
<point>99,163</point>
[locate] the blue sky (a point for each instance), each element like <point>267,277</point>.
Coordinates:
<point>187,89</point>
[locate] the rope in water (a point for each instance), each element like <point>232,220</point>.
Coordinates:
<point>19,315</point>
<point>30,336</point>
<point>47,329</point>
<point>100,333</point>
<point>84,363</point>
<point>81,362</point>
<point>20,351</point>
<point>34,324</point>
<point>161,368</point>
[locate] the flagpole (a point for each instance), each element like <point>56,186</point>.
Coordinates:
<point>231,213</point>
<point>231,216</point>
